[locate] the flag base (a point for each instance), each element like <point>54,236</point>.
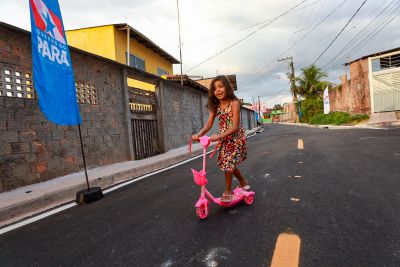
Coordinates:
<point>90,195</point>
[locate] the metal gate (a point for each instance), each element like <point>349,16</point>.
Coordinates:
<point>145,137</point>
<point>386,82</point>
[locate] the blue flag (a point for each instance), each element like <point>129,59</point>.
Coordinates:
<point>53,76</point>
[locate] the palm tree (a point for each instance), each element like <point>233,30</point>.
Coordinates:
<point>309,84</point>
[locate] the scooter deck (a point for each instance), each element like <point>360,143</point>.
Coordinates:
<point>231,203</point>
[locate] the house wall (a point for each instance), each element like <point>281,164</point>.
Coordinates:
<point>32,149</point>
<point>96,40</point>
<point>354,95</point>
<point>247,118</point>
<point>152,59</point>
<point>109,42</point>
<point>184,114</point>
<point>289,115</point>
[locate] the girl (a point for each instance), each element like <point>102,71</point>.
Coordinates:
<point>223,103</point>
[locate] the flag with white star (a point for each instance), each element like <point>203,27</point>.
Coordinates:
<point>53,76</point>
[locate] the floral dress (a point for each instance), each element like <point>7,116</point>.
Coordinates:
<point>232,149</point>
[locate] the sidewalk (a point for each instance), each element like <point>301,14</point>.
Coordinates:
<point>26,201</point>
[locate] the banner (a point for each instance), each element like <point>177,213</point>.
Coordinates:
<point>327,106</point>
<point>53,77</point>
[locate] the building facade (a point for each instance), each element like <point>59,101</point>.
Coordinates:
<point>373,85</point>
<point>124,44</point>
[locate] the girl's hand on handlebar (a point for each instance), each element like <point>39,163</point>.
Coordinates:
<point>214,137</point>
<point>195,137</point>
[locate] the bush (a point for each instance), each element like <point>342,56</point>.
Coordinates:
<point>337,118</point>
<point>319,119</point>
<point>310,107</point>
<point>340,118</point>
<point>360,117</point>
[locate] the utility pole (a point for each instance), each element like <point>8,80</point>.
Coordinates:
<point>259,109</point>
<point>180,41</point>
<point>292,78</point>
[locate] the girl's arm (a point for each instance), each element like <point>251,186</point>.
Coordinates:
<point>206,127</point>
<point>235,123</point>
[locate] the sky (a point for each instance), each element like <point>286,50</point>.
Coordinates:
<point>246,38</point>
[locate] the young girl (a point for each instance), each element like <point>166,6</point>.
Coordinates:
<point>223,103</point>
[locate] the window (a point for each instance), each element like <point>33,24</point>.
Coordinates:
<point>161,72</point>
<point>86,92</point>
<point>136,62</point>
<point>387,62</point>
<point>16,82</point>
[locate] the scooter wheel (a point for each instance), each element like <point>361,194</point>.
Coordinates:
<point>202,211</point>
<point>249,199</point>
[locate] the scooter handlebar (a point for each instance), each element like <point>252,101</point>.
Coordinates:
<point>205,141</point>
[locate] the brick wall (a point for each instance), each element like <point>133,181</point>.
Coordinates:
<point>183,112</point>
<point>32,149</point>
<point>354,95</point>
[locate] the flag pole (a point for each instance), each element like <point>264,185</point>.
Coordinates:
<point>90,194</point>
<point>83,157</point>
<point>50,33</point>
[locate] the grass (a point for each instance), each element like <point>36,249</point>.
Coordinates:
<point>338,118</point>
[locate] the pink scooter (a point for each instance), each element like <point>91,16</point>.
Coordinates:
<point>200,179</point>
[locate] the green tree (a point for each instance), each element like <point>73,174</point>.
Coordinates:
<point>309,84</point>
<point>277,107</point>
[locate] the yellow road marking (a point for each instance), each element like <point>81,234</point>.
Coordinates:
<point>287,251</point>
<point>300,144</point>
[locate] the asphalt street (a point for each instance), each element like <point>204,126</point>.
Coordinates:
<point>340,195</point>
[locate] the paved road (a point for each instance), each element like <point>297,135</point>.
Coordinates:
<point>346,183</point>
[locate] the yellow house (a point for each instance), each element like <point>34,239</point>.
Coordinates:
<point>116,42</point>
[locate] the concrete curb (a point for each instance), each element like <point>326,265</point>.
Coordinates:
<point>361,126</point>
<point>17,204</point>
<point>41,202</point>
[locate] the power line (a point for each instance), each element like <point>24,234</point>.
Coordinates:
<point>351,43</point>
<point>340,32</point>
<point>301,39</point>
<point>375,29</point>
<point>247,36</point>
<point>250,26</point>
<point>322,21</point>
<point>351,46</point>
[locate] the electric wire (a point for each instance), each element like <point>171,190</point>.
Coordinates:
<point>340,32</point>
<point>352,46</point>
<point>263,68</point>
<point>247,27</point>
<point>351,42</point>
<point>247,36</point>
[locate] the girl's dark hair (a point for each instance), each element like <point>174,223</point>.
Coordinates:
<point>213,102</point>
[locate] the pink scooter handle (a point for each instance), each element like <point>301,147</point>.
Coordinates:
<point>205,141</point>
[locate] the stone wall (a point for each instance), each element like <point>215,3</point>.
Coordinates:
<point>32,149</point>
<point>184,113</point>
<point>248,118</point>
<point>354,95</point>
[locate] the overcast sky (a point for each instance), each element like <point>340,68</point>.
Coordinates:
<point>243,37</point>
